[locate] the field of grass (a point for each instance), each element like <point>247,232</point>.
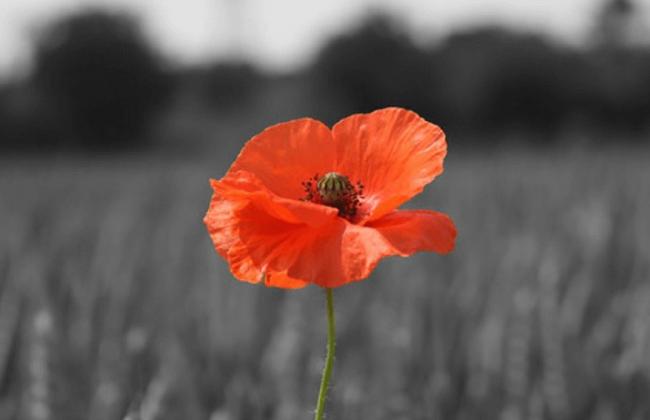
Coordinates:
<point>113,304</point>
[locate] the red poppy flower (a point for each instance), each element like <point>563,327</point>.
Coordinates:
<point>305,204</point>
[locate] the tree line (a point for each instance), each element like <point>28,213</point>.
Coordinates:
<point>98,84</point>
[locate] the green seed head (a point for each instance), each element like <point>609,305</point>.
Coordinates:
<point>334,188</point>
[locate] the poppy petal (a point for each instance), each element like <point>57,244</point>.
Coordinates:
<point>222,225</point>
<point>410,231</point>
<point>281,280</point>
<point>262,247</point>
<point>248,224</point>
<point>393,152</point>
<point>330,257</point>
<point>287,154</point>
<point>361,249</point>
<point>259,246</point>
<point>242,185</point>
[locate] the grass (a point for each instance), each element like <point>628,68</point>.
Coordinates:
<point>113,304</point>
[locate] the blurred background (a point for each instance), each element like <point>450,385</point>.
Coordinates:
<point>114,115</point>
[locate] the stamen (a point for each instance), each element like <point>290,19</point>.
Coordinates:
<point>334,190</point>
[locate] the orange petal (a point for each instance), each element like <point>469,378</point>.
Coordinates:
<point>245,186</point>
<point>393,152</point>
<point>360,248</point>
<point>410,231</point>
<point>262,247</point>
<point>349,253</point>
<point>250,227</point>
<point>332,256</point>
<point>286,154</point>
<point>281,280</point>
<point>222,224</point>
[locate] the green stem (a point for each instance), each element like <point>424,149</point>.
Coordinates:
<point>329,359</point>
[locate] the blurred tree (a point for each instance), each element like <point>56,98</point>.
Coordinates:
<point>620,95</point>
<point>617,24</point>
<point>97,68</point>
<point>27,123</point>
<point>375,66</point>
<point>620,69</point>
<point>498,80</point>
<point>227,85</point>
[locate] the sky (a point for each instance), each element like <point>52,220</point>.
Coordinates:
<point>282,34</point>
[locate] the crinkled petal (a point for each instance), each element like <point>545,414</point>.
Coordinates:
<point>354,251</point>
<point>393,152</point>
<point>249,225</point>
<point>242,185</point>
<point>223,226</point>
<point>286,154</point>
<point>349,253</point>
<point>281,280</point>
<point>410,231</point>
<point>262,244</point>
<point>328,256</point>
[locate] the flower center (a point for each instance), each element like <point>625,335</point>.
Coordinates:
<point>335,190</point>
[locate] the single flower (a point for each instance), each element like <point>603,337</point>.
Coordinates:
<point>305,204</point>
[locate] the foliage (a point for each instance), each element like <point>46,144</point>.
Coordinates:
<point>620,88</point>
<point>487,80</point>
<point>377,65</point>
<point>496,80</point>
<point>27,123</point>
<point>227,86</point>
<point>98,69</point>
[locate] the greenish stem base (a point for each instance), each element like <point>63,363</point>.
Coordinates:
<point>329,359</point>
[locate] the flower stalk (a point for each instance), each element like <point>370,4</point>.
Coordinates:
<point>329,358</point>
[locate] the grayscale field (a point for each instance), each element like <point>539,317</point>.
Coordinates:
<point>113,303</point>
